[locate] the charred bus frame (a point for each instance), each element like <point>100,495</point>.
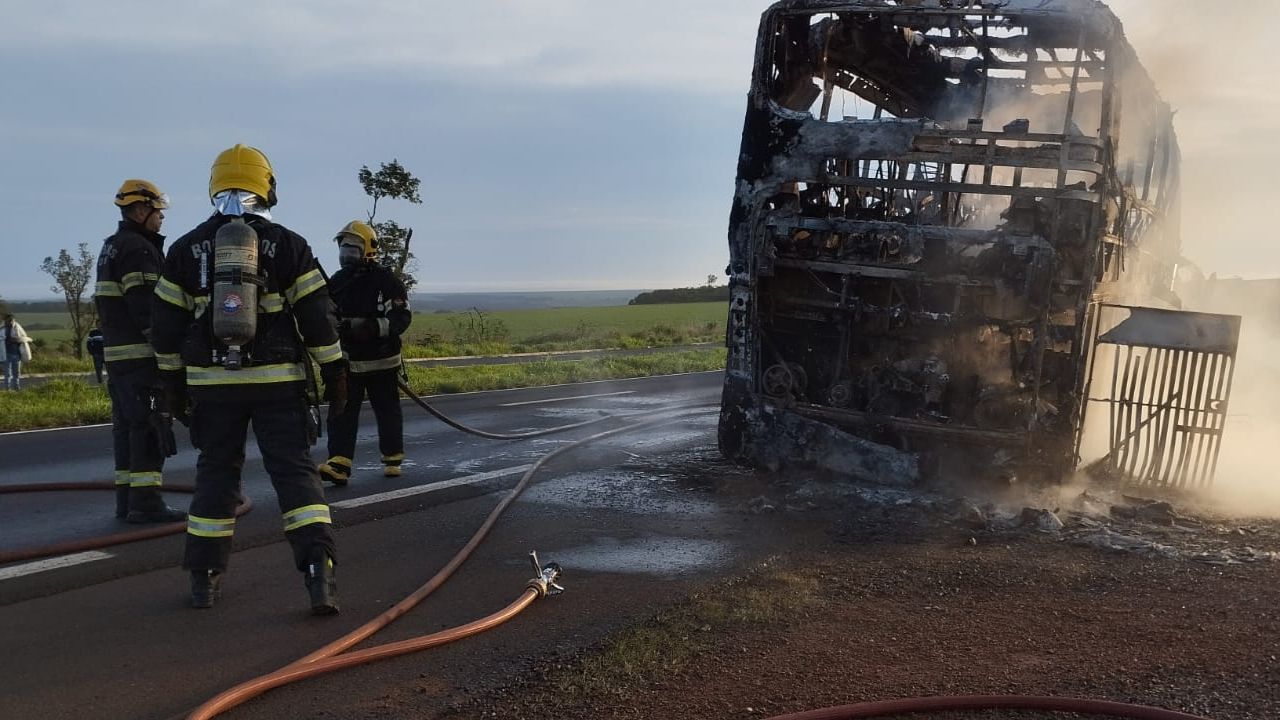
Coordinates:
<point>927,272</point>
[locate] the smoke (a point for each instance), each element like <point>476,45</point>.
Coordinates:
<point>1211,63</point>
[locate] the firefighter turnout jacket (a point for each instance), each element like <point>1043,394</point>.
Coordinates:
<point>263,387</point>
<point>295,316</point>
<point>128,269</point>
<point>373,310</point>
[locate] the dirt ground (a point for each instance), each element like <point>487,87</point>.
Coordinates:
<point>898,597</point>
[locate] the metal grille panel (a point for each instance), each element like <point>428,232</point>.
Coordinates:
<point>1170,381</point>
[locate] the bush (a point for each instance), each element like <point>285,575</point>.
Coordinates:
<point>706,293</point>
<point>475,327</point>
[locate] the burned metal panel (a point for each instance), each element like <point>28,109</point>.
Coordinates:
<point>925,272</point>
<point>1169,385</point>
<point>1159,328</point>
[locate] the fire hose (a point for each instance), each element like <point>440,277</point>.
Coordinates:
<point>329,658</point>
<point>890,708</point>
<point>333,657</point>
<point>404,387</point>
<point>120,538</point>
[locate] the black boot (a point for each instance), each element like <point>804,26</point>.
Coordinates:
<point>206,588</point>
<point>146,505</point>
<point>321,583</point>
<point>122,501</point>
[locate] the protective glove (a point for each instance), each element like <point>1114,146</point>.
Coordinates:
<point>162,428</point>
<point>159,421</point>
<point>358,330</point>
<point>176,401</point>
<point>334,375</point>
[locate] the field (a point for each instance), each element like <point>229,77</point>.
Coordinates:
<point>434,335</point>
<point>523,326</point>
<point>444,334</point>
<point>625,326</point>
<point>52,327</point>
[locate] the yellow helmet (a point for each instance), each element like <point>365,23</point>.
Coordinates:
<point>141,191</point>
<point>364,233</point>
<point>243,168</point>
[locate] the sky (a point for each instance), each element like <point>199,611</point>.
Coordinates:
<point>561,145</point>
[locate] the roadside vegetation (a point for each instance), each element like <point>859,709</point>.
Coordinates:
<point>438,380</point>
<point>57,403</point>
<point>474,333</point>
<point>62,403</point>
<point>681,636</point>
<point>550,330</point>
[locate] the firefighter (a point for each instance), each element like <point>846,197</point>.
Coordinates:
<point>373,311</point>
<point>128,268</point>
<point>240,312</point>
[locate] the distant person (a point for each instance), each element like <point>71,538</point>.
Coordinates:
<point>95,346</point>
<point>128,269</point>
<point>15,349</point>
<point>373,311</point>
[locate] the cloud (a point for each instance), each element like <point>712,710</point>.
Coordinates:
<point>573,140</point>
<point>566,43</point>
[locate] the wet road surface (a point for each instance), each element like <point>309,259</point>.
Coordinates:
<point>112,637</point>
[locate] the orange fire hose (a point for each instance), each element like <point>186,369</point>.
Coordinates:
<point>291,673</point>
<point>322,661</point>
<point>120,538</point>
<point>887,708</point>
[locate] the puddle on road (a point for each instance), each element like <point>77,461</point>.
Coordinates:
<point>655,555</point>
<point>692,430</point>
<point>620,490</point>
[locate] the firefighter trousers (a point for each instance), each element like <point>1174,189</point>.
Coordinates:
<point>384,397</point>
<point>139,458</point>
<point>282,425</point>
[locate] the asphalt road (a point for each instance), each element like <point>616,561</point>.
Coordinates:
<point>109,635</point>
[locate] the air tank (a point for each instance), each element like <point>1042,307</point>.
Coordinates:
<point>235,292</point>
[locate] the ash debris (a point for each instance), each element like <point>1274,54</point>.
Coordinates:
<point>1113,520</point>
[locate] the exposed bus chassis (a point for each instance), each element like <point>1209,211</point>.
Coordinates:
<point>926,273</point>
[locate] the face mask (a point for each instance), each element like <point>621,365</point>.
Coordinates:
<point>350,256</point>
<point>240,202</point>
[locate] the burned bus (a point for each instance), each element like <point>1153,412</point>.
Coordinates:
<point>939,204</point>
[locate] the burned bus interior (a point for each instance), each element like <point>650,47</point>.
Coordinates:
<point>933,200</point>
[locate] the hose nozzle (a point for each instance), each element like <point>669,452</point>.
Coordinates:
<point>547,575</point>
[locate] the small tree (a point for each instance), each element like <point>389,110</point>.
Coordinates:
<point>71,276</point>
<point>711,280</point>
<point>392,180</point>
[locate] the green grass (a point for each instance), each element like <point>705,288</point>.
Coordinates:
<point>51,350</point>
<point>61,403</point>
<point>678,636</point>
<point>434,335</point>
<point>51,326</point>
<point>438,380</point>
<point>543,330</point>
<point>46,362</point>
<point>57,403</point>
